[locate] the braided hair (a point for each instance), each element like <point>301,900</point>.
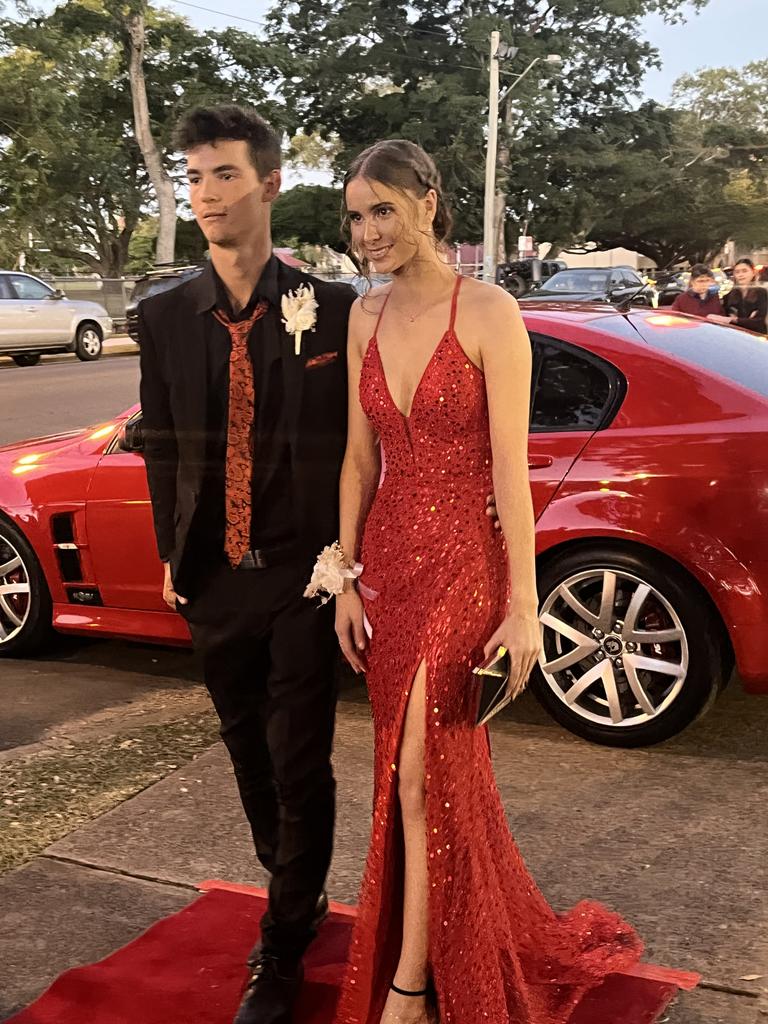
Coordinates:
<point>406,167</point>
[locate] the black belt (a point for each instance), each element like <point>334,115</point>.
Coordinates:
<point>264,558</point>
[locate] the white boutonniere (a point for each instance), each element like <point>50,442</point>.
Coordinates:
<point>300,313</point>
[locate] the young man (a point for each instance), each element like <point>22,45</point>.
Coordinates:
<point>245,429</point>
<point>702,297</point>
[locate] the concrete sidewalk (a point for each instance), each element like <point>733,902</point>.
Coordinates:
<point>644,831</point>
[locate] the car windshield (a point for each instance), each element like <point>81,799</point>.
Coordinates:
<point>580,281</point>
<point>736,355</point>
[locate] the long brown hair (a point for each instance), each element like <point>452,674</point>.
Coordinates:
<point>407,168</point>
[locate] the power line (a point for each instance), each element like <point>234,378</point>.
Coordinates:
<point>251,21</point>
<point>222,14</point>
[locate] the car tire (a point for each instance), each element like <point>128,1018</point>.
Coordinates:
<point>27,359</point>
<point>515,285</point>
<point>25,616</point>
<point>619,698</point>
<point>89,343</point>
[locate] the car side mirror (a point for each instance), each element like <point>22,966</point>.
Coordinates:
<point>56,294</point>
<point>132,438</point>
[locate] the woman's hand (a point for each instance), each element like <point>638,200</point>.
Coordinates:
<point>717,319</point>
<point>350,629</point>
<point>520,633</point>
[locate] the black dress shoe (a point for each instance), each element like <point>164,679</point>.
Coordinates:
<point>271,991</point>
<point>322,911</point>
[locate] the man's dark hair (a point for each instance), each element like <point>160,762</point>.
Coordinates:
<point>701,270</point>
<point>205,126</point>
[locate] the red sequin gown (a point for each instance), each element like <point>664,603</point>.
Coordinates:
<point>434,585</point>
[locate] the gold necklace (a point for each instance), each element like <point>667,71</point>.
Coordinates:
<point>412,318</point>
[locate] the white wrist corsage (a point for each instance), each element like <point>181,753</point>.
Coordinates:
<point>331,573</point>
<point>300,312</point>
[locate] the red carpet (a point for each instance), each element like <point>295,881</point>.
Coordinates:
<point>188,969</point>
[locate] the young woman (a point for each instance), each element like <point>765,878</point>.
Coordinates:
<point>450,923</point>
<point>746,304</point>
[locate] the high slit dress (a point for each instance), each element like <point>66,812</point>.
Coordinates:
<point>434,586</point>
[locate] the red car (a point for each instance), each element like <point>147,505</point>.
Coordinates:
<point>649,469</point>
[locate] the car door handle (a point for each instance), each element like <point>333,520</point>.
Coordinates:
<point>31,309</point>
<point>539,461</point>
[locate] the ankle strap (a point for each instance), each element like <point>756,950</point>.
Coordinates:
<point>405,992</point>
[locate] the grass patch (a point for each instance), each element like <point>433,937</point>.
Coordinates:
<point>45,797</point>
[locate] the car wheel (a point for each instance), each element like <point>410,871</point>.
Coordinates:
<point>88,345</point>
<point>25,602</point>
<point>515,285</point>
<point>27,359</point>
<point>632,652</point>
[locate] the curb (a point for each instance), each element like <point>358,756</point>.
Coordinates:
<point>118,346</point>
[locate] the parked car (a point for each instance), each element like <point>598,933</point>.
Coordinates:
<point>152,283</point>
<point>519,277</point>
<point>650,494</point>
<point>616,285</point>
<point>37,319</point>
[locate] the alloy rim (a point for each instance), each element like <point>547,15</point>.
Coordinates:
<point>91,342</point>
<point>614,650</point>
<point>15,591</point>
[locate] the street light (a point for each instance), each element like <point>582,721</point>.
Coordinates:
<point>494,100</point>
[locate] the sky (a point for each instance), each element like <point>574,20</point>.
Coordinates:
<point>714,37</point>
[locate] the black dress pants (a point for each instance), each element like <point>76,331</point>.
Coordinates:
<point>268,658</point>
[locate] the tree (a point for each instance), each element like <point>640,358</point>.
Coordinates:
<point>153,160</point>
<point>309,215</point>
<point>191,246</point>
<point>661,182</point>
<point>734,96</point>
<point>72,173</point>
<point>368,69</point>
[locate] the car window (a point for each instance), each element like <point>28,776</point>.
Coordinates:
<point>736,355</point>
<point>28,288</point>
<point>616,279</point>
<point>578,281</point>
<point>5,288</point>
<point>572,390</point>
<point>631,280</point>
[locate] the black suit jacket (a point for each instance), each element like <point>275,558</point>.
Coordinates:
<point>172,330</point>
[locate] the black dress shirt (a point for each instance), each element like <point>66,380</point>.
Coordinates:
<point>272,485</point>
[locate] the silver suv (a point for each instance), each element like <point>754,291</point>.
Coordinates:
<point>35,318</point>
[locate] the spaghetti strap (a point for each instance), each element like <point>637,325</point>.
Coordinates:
<point>381,314</point>
<point>454,303</point>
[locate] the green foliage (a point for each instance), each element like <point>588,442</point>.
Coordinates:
<point>191,246</point>
<point>363,70</point>
<point>736,96</point>
<point>309,215</point>
<point>71,171</point>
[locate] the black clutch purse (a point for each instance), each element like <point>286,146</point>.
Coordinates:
<point>491,683</point>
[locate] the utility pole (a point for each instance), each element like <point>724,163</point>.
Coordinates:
<point>495,100</point>
<point>489,240</point>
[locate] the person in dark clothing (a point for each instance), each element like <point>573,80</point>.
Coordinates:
<point>746,304</point>
<point>702,296</point>
<point>245,423</point>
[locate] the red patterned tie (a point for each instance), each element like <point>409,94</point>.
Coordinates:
<point>240,426</point>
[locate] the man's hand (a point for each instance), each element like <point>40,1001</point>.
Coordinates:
<point>491,511</point>
<point>169,594</point>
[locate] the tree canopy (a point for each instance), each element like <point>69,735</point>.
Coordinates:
<point>580,162</point>
<point>72,174</point>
